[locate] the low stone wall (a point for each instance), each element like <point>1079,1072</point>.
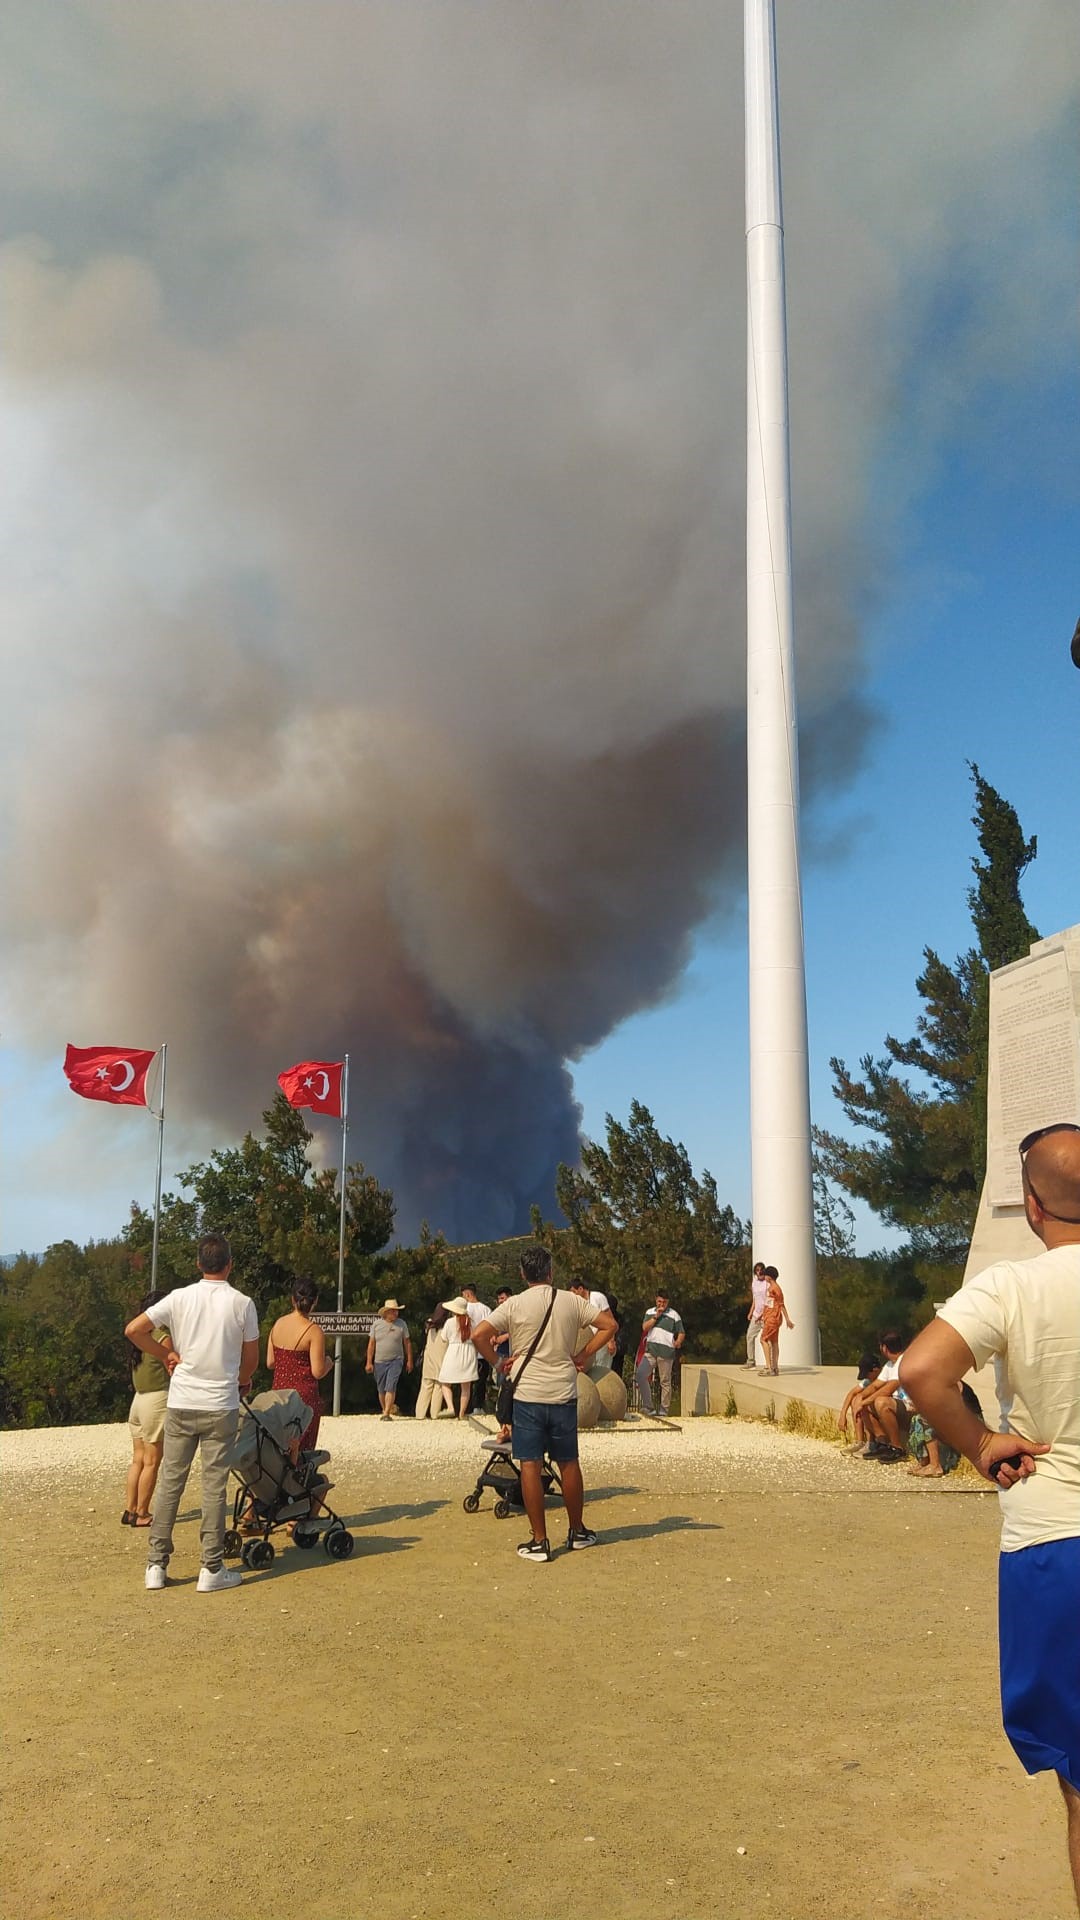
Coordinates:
<point>707,1388</point>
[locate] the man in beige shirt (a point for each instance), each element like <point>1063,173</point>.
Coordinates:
<point>1025,1315</point>
<point>545,1390</point>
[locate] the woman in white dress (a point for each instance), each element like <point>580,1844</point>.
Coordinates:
<point>461,1365</point>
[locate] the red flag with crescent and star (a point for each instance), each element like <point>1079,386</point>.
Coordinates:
<point>315,1084</point>
<point>115,1074</point>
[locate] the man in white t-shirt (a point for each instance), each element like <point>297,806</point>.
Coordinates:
<point>601,1362</point>
<point>1025,1314</point>
<point>885,1406</point>
<point>215,1333</point>
<point>477,1312</point>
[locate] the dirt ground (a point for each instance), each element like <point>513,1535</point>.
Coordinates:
<point>770,1692</point>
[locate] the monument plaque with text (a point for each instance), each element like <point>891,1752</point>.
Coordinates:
<point>1033,1080</point>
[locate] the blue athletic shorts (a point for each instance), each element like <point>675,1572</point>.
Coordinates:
<point>387,1374</point>
<point>540,1428</point>
<point>1039,1636</point>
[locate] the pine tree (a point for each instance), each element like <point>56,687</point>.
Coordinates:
<point>923,1170</point>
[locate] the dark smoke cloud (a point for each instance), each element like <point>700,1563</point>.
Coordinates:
<point>373,574</point>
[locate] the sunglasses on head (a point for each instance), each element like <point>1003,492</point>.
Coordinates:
<point>1026,1144</point>
<point>1040,1133</point>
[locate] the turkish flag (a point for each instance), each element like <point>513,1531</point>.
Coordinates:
<point>115,1074</point>
<point>315,1084</point>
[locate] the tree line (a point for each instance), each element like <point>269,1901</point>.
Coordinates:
<point>633,1207</point>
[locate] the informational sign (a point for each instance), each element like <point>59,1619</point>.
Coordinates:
<point>337,1324</point>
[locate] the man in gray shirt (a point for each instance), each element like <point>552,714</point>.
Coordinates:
<point>389,1349</point>
<point>545,1390</point>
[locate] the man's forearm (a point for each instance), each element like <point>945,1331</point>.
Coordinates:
<point>592,1346</point>
<point>146,1342</point>
<point>942,1407</point>
<point>606,1328</point>
<point>484,1342</point>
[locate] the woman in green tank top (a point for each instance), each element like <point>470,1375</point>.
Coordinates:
<point>146,1423</point>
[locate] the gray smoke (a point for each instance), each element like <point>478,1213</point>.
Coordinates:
<point>373,531</point>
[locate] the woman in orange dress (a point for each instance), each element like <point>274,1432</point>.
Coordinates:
<point>775,1315</point>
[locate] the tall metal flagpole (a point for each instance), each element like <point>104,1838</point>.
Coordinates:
<point>157,1189</point>
<point>341,1233</point>
<point>781,1175</point>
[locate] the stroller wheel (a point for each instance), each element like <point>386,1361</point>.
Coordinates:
<point>262,1553</point>
<point>471,1503</point>
<point>233,1544</point>
<point>305,1538</point>
<point>337,1544</point>
<point>501,1509</point>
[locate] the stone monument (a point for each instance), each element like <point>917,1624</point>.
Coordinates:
<point>1033,1081</point>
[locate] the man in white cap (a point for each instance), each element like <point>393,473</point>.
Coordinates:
<point>389,1349</point>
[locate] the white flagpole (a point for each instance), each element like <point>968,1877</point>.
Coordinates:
<point>341,1232</point>
<point>157,1189</point>
<point>781,1177</point>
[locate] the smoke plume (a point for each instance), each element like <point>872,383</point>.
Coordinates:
<point>373,524</point>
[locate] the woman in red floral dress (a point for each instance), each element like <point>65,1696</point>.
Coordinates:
<point>296,1351</point>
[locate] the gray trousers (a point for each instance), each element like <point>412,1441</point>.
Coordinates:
<point>753,1335</point>
<point>188,1432</point>
<point>664,1364</point>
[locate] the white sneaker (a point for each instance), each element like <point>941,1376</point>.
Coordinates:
<point>155,1579</point>
<point>216,1582</point>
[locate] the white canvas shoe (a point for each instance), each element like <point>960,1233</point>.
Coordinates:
<point>155,1579</point>
<point>216,1582</point>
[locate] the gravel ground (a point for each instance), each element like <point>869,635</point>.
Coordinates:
<point>699,1455</point>
<point>770,1694</point>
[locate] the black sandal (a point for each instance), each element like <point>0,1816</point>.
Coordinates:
<point>127,1518</point>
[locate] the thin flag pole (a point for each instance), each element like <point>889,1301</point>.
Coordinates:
<point>157,1189</point>
<point>341,1233</point>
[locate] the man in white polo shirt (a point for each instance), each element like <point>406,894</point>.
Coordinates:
<point>215,1332</point>
<point>1025,1314</point>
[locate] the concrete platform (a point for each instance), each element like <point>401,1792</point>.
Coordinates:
<point>706,1388</point>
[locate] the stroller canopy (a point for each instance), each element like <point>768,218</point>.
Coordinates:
<point>269,1425</point>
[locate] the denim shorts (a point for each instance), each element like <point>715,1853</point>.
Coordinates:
<point>541,1428</point>
<point>387,1374</point>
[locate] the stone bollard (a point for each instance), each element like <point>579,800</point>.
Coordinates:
<point>588,1402</point>
<point>612,1393</point>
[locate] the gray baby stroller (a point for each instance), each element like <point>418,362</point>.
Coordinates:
<point>277,1483</point>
